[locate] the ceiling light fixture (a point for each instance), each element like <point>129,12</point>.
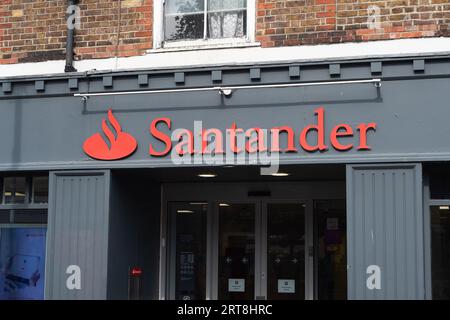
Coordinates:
<point>207,175</point>
<point>185,211</point>
<point>444,207</point>
<point>280,174</point>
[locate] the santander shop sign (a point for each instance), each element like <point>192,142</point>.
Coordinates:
<point>115,144</point>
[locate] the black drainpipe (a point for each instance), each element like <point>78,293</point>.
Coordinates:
<point>70,40</point>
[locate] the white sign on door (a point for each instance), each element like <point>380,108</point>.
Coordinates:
<point>236,285</point>
<point>286,286</point>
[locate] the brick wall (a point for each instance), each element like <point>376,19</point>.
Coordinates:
<point>35,30</point>
<point>284,23</point>
<point>114,28</point>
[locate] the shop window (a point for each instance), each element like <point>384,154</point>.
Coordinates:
<point>5,216</point>
<point>331,252</point>
<point>190,244</point>
<point>40,190</point>
<point>440,185</point>
<point>23,220</point>
<point>440,251</point>
<point>24,190</point>
<point>22,262</point>
<point>203,22</point>
<point>14,190</point>
<point>30,216</point>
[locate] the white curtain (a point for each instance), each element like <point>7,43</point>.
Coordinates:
<point>226,18</point>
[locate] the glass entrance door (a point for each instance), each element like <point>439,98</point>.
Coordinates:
<point>264,251</point>
<point>236,251</point>
<point>286,251</point>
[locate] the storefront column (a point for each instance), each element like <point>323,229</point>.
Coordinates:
<point>385,244</point>
<point>77,239</point>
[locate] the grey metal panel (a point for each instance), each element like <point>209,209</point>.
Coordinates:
<point>385,228</point>
<point>48,134</point>
<point>78,221</point>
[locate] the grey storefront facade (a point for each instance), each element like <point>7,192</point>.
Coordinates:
<point>365,141</point>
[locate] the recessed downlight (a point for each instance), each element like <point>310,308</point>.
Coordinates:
<point>280,174</point>
<point>207,175</point>
<point>224,205</point>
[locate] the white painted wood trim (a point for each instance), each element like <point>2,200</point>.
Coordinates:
<point>158,30</point>
<point>251,20</point>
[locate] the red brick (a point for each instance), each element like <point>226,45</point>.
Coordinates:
<point>99,23</point>
<point>278,23</point>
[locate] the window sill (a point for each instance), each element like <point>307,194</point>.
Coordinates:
<point>203,45</point>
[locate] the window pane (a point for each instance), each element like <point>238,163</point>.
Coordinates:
<point>440,251</point>
<point>4,216</point>
<point>215,5</point>
<point>40,189</point>
<point>286,251</point>
<point>184,19</point>
<point>440,185</point>
<point>330,248</point>
<point>227,19</point>
<point>237,251</point>
<point>22,263</point>
<point>14,189</point>
<point>190,282</point>
<point>8,189</point>
<point>184,6</point>
<point>30,216</point>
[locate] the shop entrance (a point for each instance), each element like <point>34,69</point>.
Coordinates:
<point>251,241</point>
<point>264,250</point>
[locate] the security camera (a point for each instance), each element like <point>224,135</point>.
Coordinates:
<point>226,92</point>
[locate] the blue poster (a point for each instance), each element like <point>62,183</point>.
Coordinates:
<point>22,263</point>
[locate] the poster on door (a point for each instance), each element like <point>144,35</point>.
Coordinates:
<point>22,263</point>
<point>286,286</point>
<point>236,285</point>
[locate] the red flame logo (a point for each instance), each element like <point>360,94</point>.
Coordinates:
<point>120,145</point>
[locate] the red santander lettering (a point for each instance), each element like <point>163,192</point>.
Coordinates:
<point>161,137</point>
<point>312,138</point>
<point>337,132</point>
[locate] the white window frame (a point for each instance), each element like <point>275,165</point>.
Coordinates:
<point>160,44</point>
